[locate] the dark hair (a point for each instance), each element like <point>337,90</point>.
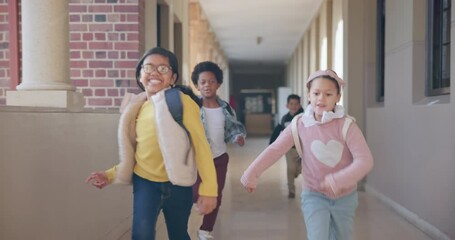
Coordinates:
<point>308,84</point>
<point>293,96</point>
<point>160,51</point>
<point>207,66</point>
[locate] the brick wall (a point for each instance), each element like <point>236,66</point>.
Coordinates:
<point>104,49</point>
<point>106,41</point>
<point>4,45</point>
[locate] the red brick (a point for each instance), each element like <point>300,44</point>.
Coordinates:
<point>100,73</point>
<point>87,18</point>
<point>75,54</point>
<point>88,92</point>
<point>87,55</point>
<point>112,73</point>
<point>132,37</point>
<point>99,8</point>
<point>112,92</point>
<point>102,83</point>
<point>87,73</point>
<point>113,36</point>
<point>100,64</point>
<point>101,45</point>
<point>126,8</point>
<point>132,18</point>
<point>78,64</point>
<point>4,64</point>
<point>133,55</point>
<point>75,18</point>
<point>127,45</point>
<point>75,36</point>
<point>100,92</point>
<point>100,55</point>
<point>100,36</point>
<point>131,74</point>
<point>78,27</point>
<point>125,64</point>
<point>131,27</point>
<point>87,36</point>
<point>101,27</point>
<point>113,55</point>
<point>77,8</point>
<point>78,45</point>
<point>80,82</point>
<point>100,101</point>
<point>113,18</point>
<point>75,73</point>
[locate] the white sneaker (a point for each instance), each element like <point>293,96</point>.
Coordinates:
<point>204,235</point>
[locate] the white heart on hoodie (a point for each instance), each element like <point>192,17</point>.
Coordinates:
<point>328,154</point>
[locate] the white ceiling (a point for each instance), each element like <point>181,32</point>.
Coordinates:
<point>238,24</point>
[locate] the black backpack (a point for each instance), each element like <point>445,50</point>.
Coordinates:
<point>174,103</point>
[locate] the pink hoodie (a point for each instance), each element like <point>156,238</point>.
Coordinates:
<point>326,155</point>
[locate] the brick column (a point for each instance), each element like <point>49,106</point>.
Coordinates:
<point>45,48</point>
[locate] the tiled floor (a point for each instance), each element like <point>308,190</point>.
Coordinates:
<point>269,214</point>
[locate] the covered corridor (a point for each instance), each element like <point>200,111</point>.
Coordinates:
<point>65,66</point>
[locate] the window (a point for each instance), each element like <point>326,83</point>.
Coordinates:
<point>438,47</point>
<point>380,49</point>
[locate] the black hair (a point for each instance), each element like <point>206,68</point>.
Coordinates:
<point>293,96</point>
<point>328,77</point>
<point>173,62</point>
<point>207,66</point>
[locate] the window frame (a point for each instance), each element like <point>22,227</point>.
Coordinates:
<point>380,49</point>
<point>434,32</point>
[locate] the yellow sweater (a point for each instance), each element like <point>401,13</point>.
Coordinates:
<point>149,159</point>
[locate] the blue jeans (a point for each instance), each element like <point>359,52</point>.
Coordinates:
<point>326,218</point>
<point>152,197</point>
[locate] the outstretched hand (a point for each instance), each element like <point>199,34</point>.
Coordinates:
<point>250,189</point>
<point>205,205</point>
<point>98,179</point>
<point>240,140</point>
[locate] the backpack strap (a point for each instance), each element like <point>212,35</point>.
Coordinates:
<point>295,135</point>
<point>174,103</point>
<point>229,109</point>
<point>347,123</point>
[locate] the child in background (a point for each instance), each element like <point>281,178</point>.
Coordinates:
<point>221,126</point>
<point>293,161</point>
<point>335,157</point>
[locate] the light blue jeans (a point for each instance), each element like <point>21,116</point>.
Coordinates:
<point>326,218</point>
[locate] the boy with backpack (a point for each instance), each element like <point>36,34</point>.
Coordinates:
<point>221,126</point>
<point>293,160</point>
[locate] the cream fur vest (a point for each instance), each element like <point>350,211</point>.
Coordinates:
<point>174,143</point>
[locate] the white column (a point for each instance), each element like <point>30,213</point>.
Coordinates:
<point>45,57</point>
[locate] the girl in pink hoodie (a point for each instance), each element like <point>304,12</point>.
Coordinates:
<point>335,156</point>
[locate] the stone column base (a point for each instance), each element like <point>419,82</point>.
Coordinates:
<point>70,100</point>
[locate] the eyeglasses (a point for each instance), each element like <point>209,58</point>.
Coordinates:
<point>162,69</point>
